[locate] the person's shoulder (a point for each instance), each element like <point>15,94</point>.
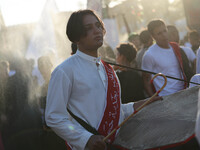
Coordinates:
<point>67,65</point>
<point>152,48</point>
<point>186,48</point>
<point>195,78</point>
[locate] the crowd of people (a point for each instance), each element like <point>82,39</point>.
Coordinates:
<point>84,88</point>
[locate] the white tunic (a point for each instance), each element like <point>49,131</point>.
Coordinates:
<point>198,61</point>
<point>164,61</point>
<point>197,127</point>
<point>79,84</point>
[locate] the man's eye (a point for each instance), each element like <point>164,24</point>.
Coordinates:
<point>88,28</point>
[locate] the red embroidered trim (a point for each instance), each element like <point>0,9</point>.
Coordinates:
<point>110,119</point>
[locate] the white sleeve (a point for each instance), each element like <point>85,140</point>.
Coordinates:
<point>197,127</point>
<point>195,79</point>
<point>198,62</point>
<point>56,113</point>
<point>128,109</point>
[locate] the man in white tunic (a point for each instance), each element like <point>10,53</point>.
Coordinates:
<point>86,86</point>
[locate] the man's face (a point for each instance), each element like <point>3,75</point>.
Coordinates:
<point>94,34</point>
<point>173,36</point>
<point>194,42</point>
<point>136,42</point>
<point>161,36</point>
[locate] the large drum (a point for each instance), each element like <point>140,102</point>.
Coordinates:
<point>162,124</point>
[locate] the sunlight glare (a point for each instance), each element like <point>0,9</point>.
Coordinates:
<point>171,1</point>
<point>29,11</point>
<point>74,5</point>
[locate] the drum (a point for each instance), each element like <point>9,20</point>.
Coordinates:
<point>162,124</point>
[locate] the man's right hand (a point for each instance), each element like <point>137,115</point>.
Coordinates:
<point>96,142</point>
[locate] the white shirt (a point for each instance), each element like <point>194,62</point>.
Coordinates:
<point>159,60</point>
<point>197,127</point>
<point>189,53</point>
<point>198,61</point>
<point>82,87</point>
<point>195,79</point>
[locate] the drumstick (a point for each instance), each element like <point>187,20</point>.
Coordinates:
<point>147,102</point>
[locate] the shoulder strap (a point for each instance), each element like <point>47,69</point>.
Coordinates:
<point>84,124</point>
<point>177,52</point>
<point>91,129</point>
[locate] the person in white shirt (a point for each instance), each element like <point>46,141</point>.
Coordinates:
<point>196,79</point>
<point>162,58</point>
<point>147,40</point>
<point>174,37</point>
<point>198,61</point>
<point>87,86</point>
<point>194,39</point>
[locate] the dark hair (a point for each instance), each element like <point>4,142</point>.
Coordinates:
<point>154,24</point>
<point>132,36</point>
<point>75,28</point>
<point>172,28</point>
<point>145,36</point>
<point>74,48</point>
<point>194,35</point>
<point>128,50</point>
<point>173,33</point>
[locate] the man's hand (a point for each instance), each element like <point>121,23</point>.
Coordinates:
<point>141,102</point>
<point>96,142</point>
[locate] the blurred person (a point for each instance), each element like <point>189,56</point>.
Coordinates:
<point>194,40</point>
<point>131,82</point>
<point>50,140</point>
<point>80,86</point>
<point>185,41</point>
<point>135,39</point>
<point>197,126</point>
<point>187,54</point>
<point>22,118</point>
<point>196,79</point>
<point>198,61</point>
<point>106,53</point>
<point>162,57</point>
<point>147,41</point>
<point>45,67</point>
<point>4,75</point>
